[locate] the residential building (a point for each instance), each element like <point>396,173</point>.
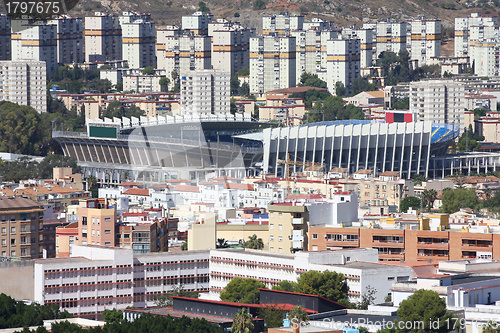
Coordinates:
<point>484,48</point>
<point>142,83</point>
<point>5,38</point>
<point>24,83</point>
<point>410,239</point>
<point>144,236</point>
<point>183,52</point>
<point>289,111</point>
<point>96,223</point>
<point>272,63</point>
<point>387,189</point>
<point>96,278</point>
<point>197,23</point>
<point>65,238</point>
<point>69,39</point>
<point>281,24</point>
<point>388,36</point>
<point>343,62</point>
<point>311,51</point>
<point>205,91</point>
<point>463,38</point>
<point>366,44</point>
<point>103,38</point>
<point>439,101</point>
<point>36,42</point>
<point>230,45</point>
<point>22,228</point>
<point>138,39</point>
<point>359,266</point>
<point>425,40</point>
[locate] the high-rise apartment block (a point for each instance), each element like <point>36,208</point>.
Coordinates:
<point>205,91</point>
<point>197,23</point>
<point>365,37</point>
<point>5,47</point>
<point>311,51</point>
<point>35,41</point>
<point>343,62</point>
<point>69,39</point>
<point>439,101</point>
<point>425,40</point>
<point>24,83</point>
<point>463,38</point>
<point>182,53</point>
<point>388,36</point>
<point>272,63</point>
<point>21,223</point>
<point>103,38</point>
<point>138,39</point>
<point>230,45</point>
<point>478,38</point>
<point>281,24</point>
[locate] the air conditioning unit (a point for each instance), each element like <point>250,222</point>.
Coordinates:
<point>290,237</point>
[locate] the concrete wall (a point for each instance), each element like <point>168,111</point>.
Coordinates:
<point>17,279</point>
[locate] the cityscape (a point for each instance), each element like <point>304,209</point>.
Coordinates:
<point>205,175</point>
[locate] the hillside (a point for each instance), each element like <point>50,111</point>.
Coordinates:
<point>343,12</point>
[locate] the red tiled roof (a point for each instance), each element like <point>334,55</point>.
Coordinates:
<point>137,191</point>
<point>134,214</point>
<point>302,196</point>
<point>130,184</point>
<point>186,188</point>
<point>237,186</point>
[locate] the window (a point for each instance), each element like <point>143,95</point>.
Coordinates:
<point>107,231</point>
<point>107,243</point>
<point>271,226</point>
<point>12,241</point>
<point>280,238</point>
<point>315,236</point>
<point>12,253</point>
<point>84,220</point>
<point>4,231</point>
<point>280,226</point>
<point>4,242</point>
<point>271,238</point>
<point>13,230</point>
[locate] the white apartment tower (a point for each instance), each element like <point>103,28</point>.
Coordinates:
<point>311,51</point>
<point>103,38</point>
<point>205,91</point>
<point>69,39</point>
<point>343,62</point>
<point>230,45</point>
<point>440,101</point>
<point>24,83</point>
<point>463,38</point>
<point>138,39</point>
<point>35,41</point>
<point>281,24</point>
<point>167,47</point>
<point>425,40</point>
<point>272,63</point>
<point>484,50</point>
<point>197,23</point>
<point>388,36</point>
<point>365,37</point>
<point>5,42</point>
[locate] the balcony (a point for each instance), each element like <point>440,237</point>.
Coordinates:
<point>298,221</point>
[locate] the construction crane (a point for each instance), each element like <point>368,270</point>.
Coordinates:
<point>290,161</point>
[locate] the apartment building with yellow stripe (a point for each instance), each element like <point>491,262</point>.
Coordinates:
<point>103,37</point>
<point>5,47</point>
<point>138,39</point>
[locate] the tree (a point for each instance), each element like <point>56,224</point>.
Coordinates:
<point>298,315</point>
<point>259,4</point>
<point>311,80</point>
<point>221,243</point>
<point>340,89</point>
<point>112,316</point>
<point>333,108</point>
<point>427,308</point>
<point>367,298</point>
<point>166,299</point>
<point>493,202</point>
<point>428,197</point>
<point>119,86</point>
<point>272,315</point>
<point>202,7</point>
<point>418,179</point>
<point>361,84</point>
<point>242,322</point>
<point>233,108</point>
<point>254,243</point>
<point>243,72</point>
<point>454,199</point>
<point>285,285</point>
<point>331,285</point>
<point>116,109</point>
<point>244,89</point>
<point>92,185</point>
<point>401,104</point>
<point>242,291</point>
<point>184,246</point>
<point>164,82</point>
<point>234,84</point>
<point>149,70</point>
<point>408,202</point>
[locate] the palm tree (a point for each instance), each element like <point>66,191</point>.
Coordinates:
<point>242,322</point>
<point>428,196</point>
<point>254,243</point>
<point>222,243</point>
<point>299,314</point>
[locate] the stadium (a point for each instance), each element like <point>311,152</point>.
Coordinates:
<point>156,149</point>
